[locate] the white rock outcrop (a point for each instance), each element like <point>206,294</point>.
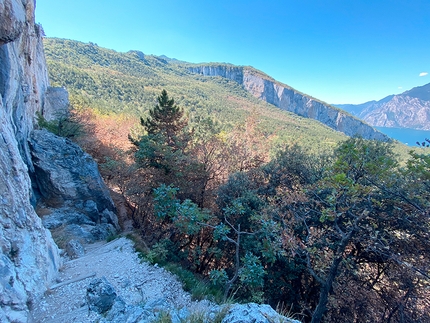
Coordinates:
<point>29,258</point>
<point>252,312</point>
<point>56,104</point>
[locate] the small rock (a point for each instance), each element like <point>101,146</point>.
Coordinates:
<point>100,295</point>
<point>117,312</point>
<point>126,283</point>
<point>158,305</point>
<point>183,314</point>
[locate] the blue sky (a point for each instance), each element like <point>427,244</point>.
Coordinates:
<point>339,51</point>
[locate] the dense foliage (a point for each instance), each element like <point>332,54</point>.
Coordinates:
<point>327,235</point>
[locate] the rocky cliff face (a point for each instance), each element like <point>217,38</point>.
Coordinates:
<point>263,87</point>
<point>29,258</point>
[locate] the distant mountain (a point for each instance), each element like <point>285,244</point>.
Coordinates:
<point>172,60</point>
<point>411,109</point>
<point>113,82</point>
<point>419,92</point>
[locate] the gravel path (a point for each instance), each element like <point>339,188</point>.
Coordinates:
<point>135,282</point>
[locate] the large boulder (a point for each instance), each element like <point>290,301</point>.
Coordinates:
<point>64,173</point>
<point>73,200</point>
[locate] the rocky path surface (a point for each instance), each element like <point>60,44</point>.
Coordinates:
<point>134,281</point>
<point>142,292</point>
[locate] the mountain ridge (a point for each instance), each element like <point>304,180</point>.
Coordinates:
<point>265,88</point>
<point>419,92</point>
<point>73,65</point>
<point>410,109</point>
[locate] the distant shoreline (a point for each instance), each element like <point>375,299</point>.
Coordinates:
<point>405,135</point>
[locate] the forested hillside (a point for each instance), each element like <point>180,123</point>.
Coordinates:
<point>112,82</point>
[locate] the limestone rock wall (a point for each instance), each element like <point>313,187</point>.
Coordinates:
<point>23,72</point>
<point>288,99</point>
<point>231,72</point>
<point>29,258</point>
<point>56,104</point>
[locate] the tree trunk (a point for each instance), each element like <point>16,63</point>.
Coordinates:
<point>325,290</point>
<point>236,264</point>
<point>328,283</point>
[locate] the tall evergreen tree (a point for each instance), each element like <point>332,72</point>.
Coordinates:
<point>166,119</point>
<point>165,150</point>
<point>164,144</point>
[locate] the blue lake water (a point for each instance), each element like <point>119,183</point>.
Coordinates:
<point>406,136</point>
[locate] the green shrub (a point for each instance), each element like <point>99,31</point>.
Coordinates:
<point>64,126</point>
<point>197,287</point>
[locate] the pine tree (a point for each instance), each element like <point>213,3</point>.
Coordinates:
<point>165,119</point>
<point>165,144</point>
